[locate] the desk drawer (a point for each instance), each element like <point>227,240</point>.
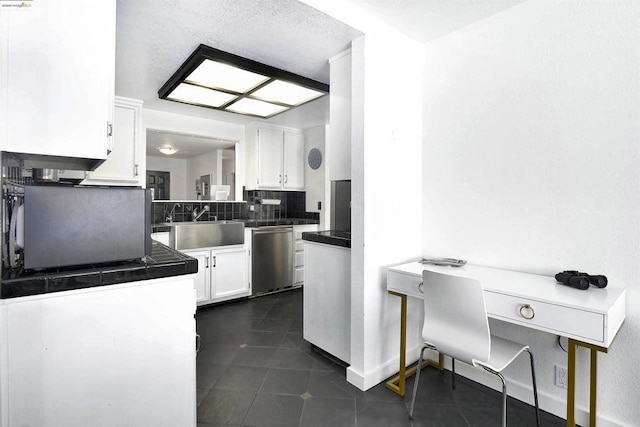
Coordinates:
<point>548,317</point>
<point>404,284</point>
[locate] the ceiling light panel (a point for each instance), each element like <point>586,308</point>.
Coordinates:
<point>286,93</point>
<point>255,107</point>
<point>199,95</point>
<point>224,81</point>
<point>222,76</point>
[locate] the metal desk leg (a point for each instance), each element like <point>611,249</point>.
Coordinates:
<point>397,384</point>
<point>593,381</point>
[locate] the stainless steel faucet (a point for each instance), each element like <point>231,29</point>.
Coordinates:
<point>197,215</point>
<point>170,217</point>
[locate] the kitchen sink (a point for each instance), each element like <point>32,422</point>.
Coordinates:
<point>204,234</point>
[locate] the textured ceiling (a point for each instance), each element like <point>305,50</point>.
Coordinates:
<point>154,37</point>
<point>425,20</point>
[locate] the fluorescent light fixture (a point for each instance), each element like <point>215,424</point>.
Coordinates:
<point>224,81</point>
<point>222,76</point>
<point>199,95</point>
<point>287,93</point>
<point>168,150</point>
<point>254,107</point>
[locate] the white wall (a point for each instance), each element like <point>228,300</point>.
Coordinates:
<point>531,162</point>
<point>315,178</point>
<point>178,170</point>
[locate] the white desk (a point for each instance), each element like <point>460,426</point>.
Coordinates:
<point>589,318</point>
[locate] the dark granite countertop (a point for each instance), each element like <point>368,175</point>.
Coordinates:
<point>163,262</point>
<point>329,237</point>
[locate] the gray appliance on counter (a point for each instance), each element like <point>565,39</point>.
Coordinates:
<point>341,205</point>
<point>65,225</point>
<point>271,259</point>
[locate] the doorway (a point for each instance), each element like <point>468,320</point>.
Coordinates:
<point>159,182</point>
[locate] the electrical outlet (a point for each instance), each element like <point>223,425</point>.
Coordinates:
<point>562,377</point>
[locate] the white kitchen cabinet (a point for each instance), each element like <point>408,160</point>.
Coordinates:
<point>125,164</point>
<point>339,141</point>
<point>57,62</point>
<point>293,161</point>
<point>222,273</point>
<point>298,251</point>
<point>270,158</point>
<point>275,158</point>
<point>108,356</point>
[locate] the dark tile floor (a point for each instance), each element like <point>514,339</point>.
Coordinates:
<point>255,369</point>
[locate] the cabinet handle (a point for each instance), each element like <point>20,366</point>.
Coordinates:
<point>109,129</point>
<point>198,343</point>
<point>206,262</point>
<point>421,287</point>
<point>214,262</point>
<point>529,309</point>
<point>279,179</point>
<point>286,179</point>
<point>135,170</point>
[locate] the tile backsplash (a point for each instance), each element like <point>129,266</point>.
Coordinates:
<point>292,205</point>
<point>184,212</point>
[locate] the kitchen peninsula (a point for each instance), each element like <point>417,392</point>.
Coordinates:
<point>87,343</point>
<point>327,292</point>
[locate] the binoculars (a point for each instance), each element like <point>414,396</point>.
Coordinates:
<point>579,280</point>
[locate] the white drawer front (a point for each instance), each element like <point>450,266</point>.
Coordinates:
<point>299,246</point>
<point>548,317</point>
<point>298,275</point>
<point>299,259</point>
<point>404,283</point>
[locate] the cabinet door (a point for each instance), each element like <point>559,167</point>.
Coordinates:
<point>229,274</point>
<point>269,158</point>
<point>293,161</point>
<point>121,166</point>
<point>58,68</point>
<point>203,278</point>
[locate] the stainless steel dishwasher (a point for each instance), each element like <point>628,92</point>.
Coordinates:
<point>272,259</point>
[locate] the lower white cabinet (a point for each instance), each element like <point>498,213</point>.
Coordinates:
<point>222,273</point>
<point>327,298</point>
<point>117,355</point>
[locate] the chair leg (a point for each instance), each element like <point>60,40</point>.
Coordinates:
<point>535,388</point>
<point>415,385</point>
<point>504,399</point>
<point>453,373</point>
<point>504,394</point>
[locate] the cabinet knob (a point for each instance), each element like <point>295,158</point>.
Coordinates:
<point>421,287</point>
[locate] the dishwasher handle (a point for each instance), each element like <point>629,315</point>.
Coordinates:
<point>273,229</point>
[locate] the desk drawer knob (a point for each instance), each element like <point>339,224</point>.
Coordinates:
<point>421,287</point>
<point>527,312</point>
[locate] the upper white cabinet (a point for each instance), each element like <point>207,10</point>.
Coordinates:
<point>57,68</point>
<point>275,158</point>
<point>339,141</point>
<point>125,164</point>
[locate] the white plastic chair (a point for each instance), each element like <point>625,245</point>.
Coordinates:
<point>456,325</point>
